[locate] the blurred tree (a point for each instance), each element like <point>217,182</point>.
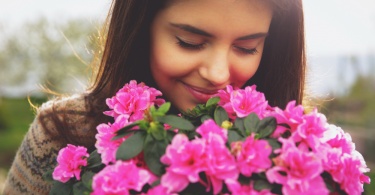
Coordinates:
<point>357,107</point>
<point>355,111</point>
<point>53,55</point>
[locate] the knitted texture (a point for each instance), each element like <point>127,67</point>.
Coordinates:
<point>42,142</point>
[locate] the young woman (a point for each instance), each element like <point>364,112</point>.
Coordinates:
<point>186,49</point>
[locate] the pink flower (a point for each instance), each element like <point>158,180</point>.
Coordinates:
<point>225,100</point>
<point>298,171</point>
<point>237,189</point>
<point>333,164</point>
<point>221,165</point>
<point>132,101</point>
<point>352,178</point>
<point>174,182</point>
<point>185,163</point>
<point>311,129</point>
<point>225,95</point>
<point>119,178</point>
<point>209,126</point>
<point>70,160</point>
<point>247,101</point>
<point>337,138</point>
<point>186,159</point>
<point>242,102</point>
<point>291,116</point>
<point>158,190</point>
<point>252,155</point>
<point>343,162</point>
<point>104,143</point>
<point>315,186</point>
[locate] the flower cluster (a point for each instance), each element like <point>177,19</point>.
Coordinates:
<point>187,159</point>
<point>236,143</point>
<point>240,103</point>
<point>128,105</point>
<point>132,101</point>
<point>70,160</point>
<point>119,178</point>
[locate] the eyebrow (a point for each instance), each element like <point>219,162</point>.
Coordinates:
<point>191,29</point>
<point>198,31</point>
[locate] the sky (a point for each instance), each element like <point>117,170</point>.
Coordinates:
<point>333,27</point>
<point>340,26</point>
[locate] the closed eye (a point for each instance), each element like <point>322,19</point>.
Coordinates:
<point>190,46</point>
<point>246,51</point>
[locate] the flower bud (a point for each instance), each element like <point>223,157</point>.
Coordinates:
<point>226,124</point>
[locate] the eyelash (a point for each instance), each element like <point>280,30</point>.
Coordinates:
<point>186,45</point>
<point>200,46</point>
<point>247,51</point>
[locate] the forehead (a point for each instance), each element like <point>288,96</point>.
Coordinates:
<point>252,3</point>
<point>233,15</point>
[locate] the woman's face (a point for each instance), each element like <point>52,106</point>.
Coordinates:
<point>200,46</point>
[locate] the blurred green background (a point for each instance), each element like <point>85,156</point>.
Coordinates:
<point>56,55</point>
<point>39,54</point>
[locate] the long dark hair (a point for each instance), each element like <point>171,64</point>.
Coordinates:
<point>126,51</point>
<point>281,74</point>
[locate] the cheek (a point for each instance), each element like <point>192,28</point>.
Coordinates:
<point>243,70</point>
<point>167,59</point>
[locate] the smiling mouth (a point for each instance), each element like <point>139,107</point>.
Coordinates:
<point>202,95</point>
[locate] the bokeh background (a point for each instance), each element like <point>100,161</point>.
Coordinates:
<point>51,43</point>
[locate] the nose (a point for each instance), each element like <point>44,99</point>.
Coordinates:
<point>216,68</point>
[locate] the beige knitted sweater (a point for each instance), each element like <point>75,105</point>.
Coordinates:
<point>42,142</point>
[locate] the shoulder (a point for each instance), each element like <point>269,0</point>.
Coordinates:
<point>74,103</point>
<point>68,118</point>
<point>57,122</point>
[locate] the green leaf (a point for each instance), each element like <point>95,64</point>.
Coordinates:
<point>233,136</point>
<point>205,117</point>
<point>176,122</point>
<point>330,186</point>
<point>155,183</point>
<point>125,134</point>
<point>191,134</point>
<point>47,176</point>
<point>131,147</point>
<point>159,132</point>
<point>59,188</point>
<point>262,175</point>
<point>274,144</point>
<point>197,111</point>
<point>149,138</point>
<point>212,101</point>
<point>164,108</point>
<point>220,115</point>
<point>87,179</point>
<point>251,123</point>
<point>154,149</point>
<point>80,189</point>
<point>239,123</point>
<point>152,109</point>
<point>94,160</point>
<point>170,135</point>
<point>122,132</point>
<point>267,126</point>
<point>261,185</point>
<point>143,125</point>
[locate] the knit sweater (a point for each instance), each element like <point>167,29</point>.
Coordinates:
<point>42,142</point>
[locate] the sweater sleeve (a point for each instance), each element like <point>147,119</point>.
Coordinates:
<point>40,146</point>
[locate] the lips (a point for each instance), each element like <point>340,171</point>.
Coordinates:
<point>202,95</point>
